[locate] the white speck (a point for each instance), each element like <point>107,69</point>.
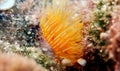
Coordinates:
<point>82,61</point>
<point>1,41</point>
<point>29,32</point>
<point>44,49</point>
<point>57,2</point>
<point>104,35</point>
<point>66,62</point>
<point>83,3</point>
<point>95,1</point>
<point>104,8</point>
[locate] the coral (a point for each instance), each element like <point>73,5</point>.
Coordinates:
<point>13,62</point>
<point>95,54</point>
<point>31,52</point>
<point>113,46</point>
<point>100,22</point>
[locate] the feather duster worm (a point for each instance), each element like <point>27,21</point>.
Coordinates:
<point>62,29</point>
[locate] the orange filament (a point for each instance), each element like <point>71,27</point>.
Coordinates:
<point>62,29</point>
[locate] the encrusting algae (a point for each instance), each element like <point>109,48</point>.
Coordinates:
<point>62,29</point>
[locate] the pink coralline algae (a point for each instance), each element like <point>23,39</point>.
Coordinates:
<point>113,46</point>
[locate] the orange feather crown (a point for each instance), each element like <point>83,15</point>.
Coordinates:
<point>62,29</point>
